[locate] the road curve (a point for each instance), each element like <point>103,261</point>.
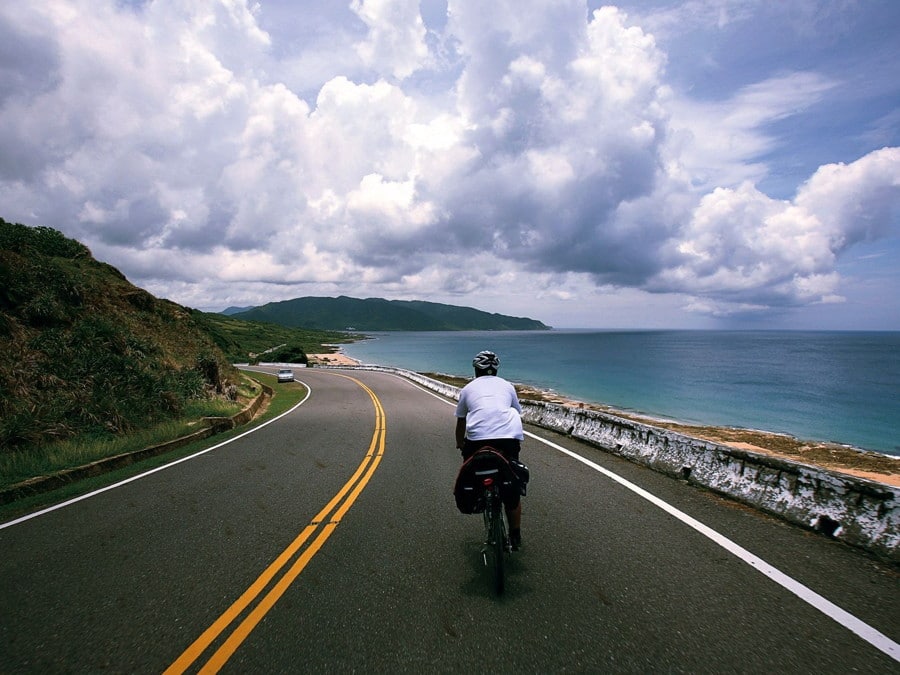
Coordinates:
<point>130,579</point>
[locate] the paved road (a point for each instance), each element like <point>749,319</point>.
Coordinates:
<point>346,504</point>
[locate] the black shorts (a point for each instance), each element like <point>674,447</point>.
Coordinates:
<point>508,447</point>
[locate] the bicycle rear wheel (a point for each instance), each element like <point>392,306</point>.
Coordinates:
<point>497,545</point>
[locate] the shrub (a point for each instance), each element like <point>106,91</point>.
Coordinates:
<point>288,354</point>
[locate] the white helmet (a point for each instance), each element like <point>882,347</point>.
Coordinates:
<point>486,361</point>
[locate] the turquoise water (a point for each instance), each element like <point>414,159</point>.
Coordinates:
<point>828,386</point>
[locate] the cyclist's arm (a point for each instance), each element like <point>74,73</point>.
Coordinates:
<point>514,400</point>
<point>460,432</point>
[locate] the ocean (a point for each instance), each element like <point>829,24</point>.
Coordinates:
<point>826,386</point>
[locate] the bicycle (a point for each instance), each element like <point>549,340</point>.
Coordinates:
<point>486,482</point>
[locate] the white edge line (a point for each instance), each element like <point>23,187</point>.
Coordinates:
<point>874,637</point>
<point>88,495</point>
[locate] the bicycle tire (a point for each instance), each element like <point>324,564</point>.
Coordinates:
<point>497,549</point>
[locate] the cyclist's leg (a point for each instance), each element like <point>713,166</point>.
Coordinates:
<point>514,516</point>
<point>511,451</point>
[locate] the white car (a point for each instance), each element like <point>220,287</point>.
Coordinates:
<point>285,375</point>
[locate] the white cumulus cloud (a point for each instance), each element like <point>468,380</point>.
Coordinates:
<point>741,245</point>
<point>395,42</point>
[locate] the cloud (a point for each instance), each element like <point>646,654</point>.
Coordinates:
<point>566,133</point>
<point>741,246</point>
<point>530,144</point>
<point>396,36</point>
<point>858,201</point>
<point>723,141</point>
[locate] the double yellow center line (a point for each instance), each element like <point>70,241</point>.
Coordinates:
<point>324,524</point>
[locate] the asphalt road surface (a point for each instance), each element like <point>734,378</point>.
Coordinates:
<point>328,541</point>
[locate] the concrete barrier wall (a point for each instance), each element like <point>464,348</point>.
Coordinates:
<point>860,512</point>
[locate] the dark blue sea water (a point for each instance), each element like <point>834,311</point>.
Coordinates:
<point>829,386</point>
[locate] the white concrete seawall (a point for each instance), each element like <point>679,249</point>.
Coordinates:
<point>860,512</point>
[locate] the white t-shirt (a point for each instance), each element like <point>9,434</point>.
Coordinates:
<point>491,409</point>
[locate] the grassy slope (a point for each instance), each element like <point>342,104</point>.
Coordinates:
<point>84,353</point>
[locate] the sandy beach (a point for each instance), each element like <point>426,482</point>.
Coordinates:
<point>335,359</point>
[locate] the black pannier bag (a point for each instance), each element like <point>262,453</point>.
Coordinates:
<point>488,463</point>
<point>522,473</point>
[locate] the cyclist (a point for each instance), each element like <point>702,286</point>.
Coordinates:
<point>489,413</point>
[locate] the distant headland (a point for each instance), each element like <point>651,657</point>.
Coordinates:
<point>377,314</point>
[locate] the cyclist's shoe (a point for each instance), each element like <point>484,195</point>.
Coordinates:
<point>515,539</point>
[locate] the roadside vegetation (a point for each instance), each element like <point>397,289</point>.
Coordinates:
<point>85,352</point>
<point>22,464</point>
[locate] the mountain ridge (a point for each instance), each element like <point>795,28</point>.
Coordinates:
<point>379,314</point>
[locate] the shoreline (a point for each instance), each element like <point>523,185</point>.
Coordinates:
<point>846,459</point>
<point>337,358</point>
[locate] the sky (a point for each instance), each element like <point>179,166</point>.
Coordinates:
<point>667,164</point>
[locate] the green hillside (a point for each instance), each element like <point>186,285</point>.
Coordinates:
<point>376,314</point>
<point>85,352</point>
